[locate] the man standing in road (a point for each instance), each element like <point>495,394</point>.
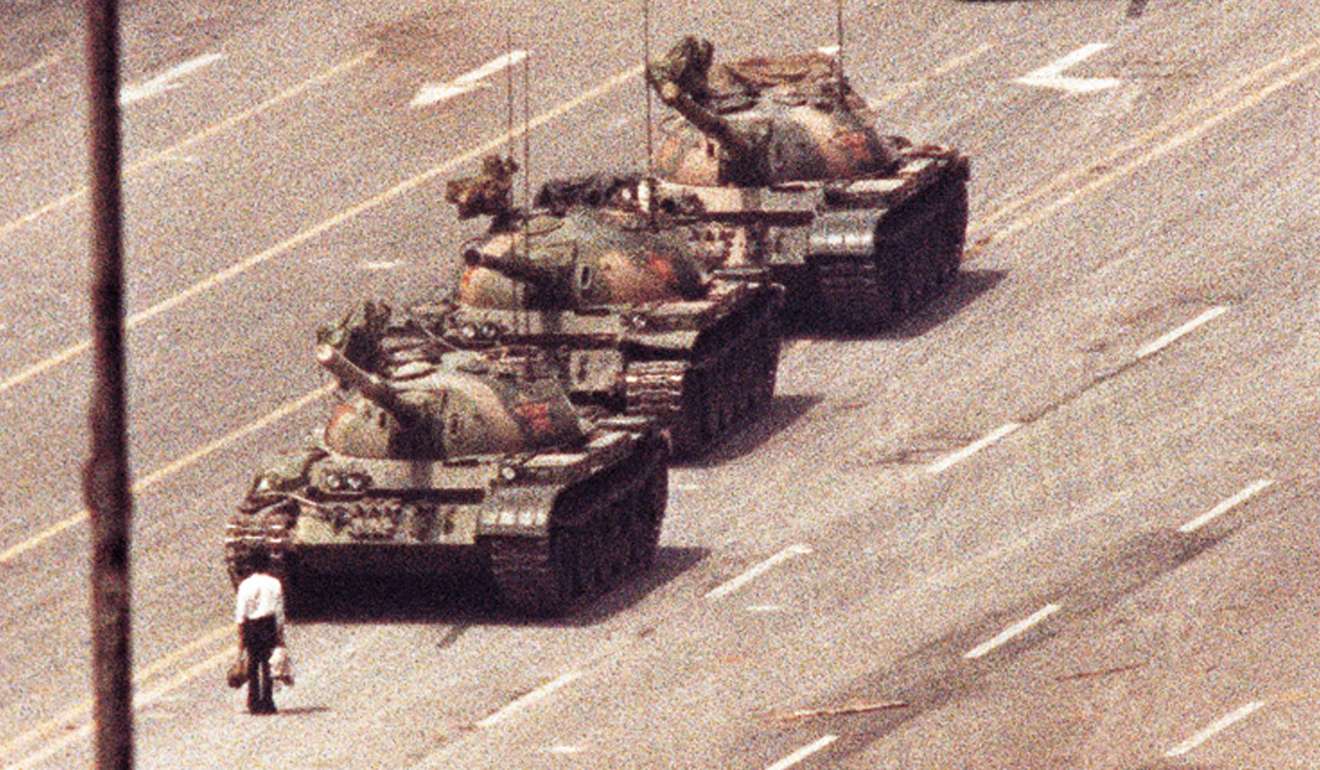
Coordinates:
<point>259,614</point>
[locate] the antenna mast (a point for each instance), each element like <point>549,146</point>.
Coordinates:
<point>838,40</point>
<point>508,90</point>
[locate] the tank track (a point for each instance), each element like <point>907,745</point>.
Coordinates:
<point>863,295</point>
<point>703,401</point>
<point>618,538</point>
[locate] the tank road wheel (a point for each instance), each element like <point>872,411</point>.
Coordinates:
<point>532,574</point>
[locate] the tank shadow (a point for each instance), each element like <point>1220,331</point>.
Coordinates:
<point>783,412</point>
<point>463,601</point>
<point>966,287</point>
<point>937,675</point>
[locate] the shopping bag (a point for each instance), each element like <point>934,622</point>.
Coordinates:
<point>236,677</point>
<point>281,666</point>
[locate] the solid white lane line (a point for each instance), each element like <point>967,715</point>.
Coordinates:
<point>972,448</point>
<point>1168,339</point>
<point>733,585</point>
<point>1217,726</point>
<point>1012,631</point>
<point>433,93</point>
<point>165,81</point>
<point>29,71</point>
<point>539,694</point>
<point>1250,491</point>
<point>1051,75</point>
<point>804,752</point>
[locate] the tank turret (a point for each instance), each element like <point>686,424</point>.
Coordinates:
<point>762,121</point>
<point>372,388</point>
<point>578,260</point>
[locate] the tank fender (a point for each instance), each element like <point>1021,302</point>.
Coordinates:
<point>845,233</point>
<point>518,509</point>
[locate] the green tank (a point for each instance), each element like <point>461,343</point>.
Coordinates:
<point>463,462</point>
<point>632,321</point>
<point>776,163</point>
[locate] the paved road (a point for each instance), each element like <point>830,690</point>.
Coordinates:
<point>1119,576</point>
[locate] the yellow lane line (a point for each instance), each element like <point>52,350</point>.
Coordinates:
<point>29,71</point>
<point>1158,151</point>
<point>399,189</point>
<point>157,158</point>
<point>903,89</point>
<point>85,708</point>
<point>139,701</point>
<point>1159,130</point>
<point>156,476</point>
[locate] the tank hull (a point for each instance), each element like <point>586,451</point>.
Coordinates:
<point>548,528</point>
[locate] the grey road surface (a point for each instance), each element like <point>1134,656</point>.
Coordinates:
<point>1062,518</point>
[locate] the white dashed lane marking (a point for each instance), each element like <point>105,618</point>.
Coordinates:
<point>804,752</point>
<point>535,696</point>
<point>1012,631</point>
<point>434,93</point>
<point>166,80</point>
<point>993,436</point>
<point>1217,726</point>
<point>1251,490</point>
<point>1051,75</point>
<point>1163,342</point>
<point>755,572</point>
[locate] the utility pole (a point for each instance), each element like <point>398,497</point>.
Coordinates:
<point>106,488</point>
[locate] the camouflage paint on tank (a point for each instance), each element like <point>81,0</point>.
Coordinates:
<point>762,121</point>
<point>580,259</point>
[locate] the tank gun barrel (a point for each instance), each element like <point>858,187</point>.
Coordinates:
<point>371,387</point>
<point>548,277</point>
<point>707,121</point>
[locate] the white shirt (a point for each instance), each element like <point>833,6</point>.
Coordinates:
<point>260,595</point>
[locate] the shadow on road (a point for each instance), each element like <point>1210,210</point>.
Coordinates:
<point>934,676</point>
<point>298,711</point>
<point>464,601</point>
<point>783,412</point>
<point>966,287</point>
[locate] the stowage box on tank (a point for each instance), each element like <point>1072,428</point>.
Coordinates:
<point>777,163</point>
<point>468,462</point>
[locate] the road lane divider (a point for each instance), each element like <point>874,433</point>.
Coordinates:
<point>1215,727</point>
<point>803,753</point>
<point>530,699</point>
<point>1099,180</point>
<point>1126,148</point>
<point>167,80</point>
<point>1248,492</point>
<point>1155,346</point>
<point>142,676</point>
<point>993,437</point>
<point>1012,632</point>
<point>173,467</point>
<point>729,587</point>
<point>408,185</point>
<point>434,93</point>
<point>161,156</point>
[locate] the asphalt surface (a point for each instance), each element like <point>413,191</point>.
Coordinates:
<point>1122,575</point>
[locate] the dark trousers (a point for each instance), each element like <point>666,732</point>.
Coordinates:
<point>259,637</point>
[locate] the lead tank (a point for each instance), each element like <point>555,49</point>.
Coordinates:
<point>471,462</point>
<point>632,320</point>
<point>775,162</point>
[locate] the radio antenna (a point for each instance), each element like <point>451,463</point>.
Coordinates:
<point>508,90</point>
<point>838,41</point>
<point>527,172</point>
<point>649,181</point>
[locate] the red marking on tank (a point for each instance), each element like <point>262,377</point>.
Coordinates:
<point>662,268</point>
<point>342,411</point>
<point>537,416</point>
<point>855,145</point>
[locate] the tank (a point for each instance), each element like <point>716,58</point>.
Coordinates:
<point>471,462</point>
<point>776,163</point>
<point>633,322</point>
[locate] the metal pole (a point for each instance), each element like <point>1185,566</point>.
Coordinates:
<point>106,488</point>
